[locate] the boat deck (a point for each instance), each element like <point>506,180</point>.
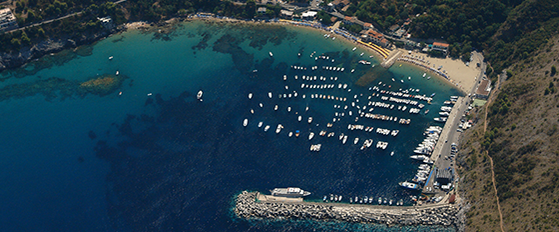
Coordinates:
<point>270,198</point>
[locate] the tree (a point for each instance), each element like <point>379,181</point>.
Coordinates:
<point>553,70</point>
<point>250,9</point>
<point>25,39</point>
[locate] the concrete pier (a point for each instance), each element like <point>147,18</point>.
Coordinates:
<point>247,206</point>
<point>391,58</point>
<point>448,127</point>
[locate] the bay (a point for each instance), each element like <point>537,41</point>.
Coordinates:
<point>146,155</point>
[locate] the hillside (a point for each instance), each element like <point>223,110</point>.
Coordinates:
<point>521,138</point>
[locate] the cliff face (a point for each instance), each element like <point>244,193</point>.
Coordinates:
<point>26,54</point>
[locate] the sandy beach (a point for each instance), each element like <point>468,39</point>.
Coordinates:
<point>456,71</point>
<point>460,75</point>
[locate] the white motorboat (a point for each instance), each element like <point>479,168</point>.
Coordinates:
<point>270,94</point>
<point>199,95</point>
<point>266,128</point>
<point>278,129</point>
<point>245,122</point>
<point>250,96</point>
<point>271,54</point>
<point>310,120</point>
<point>311,135</point>
<point>260,124</point>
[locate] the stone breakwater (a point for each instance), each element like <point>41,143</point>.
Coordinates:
<point>442,215</point>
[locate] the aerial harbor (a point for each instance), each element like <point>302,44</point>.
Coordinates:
<point>279,115</point>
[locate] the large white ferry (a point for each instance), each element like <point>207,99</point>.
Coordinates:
<point>289,192</point>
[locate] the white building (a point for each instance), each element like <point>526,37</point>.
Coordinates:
<point>7,20</point>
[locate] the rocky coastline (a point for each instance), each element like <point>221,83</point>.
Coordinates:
<point>446,215</point>
<point>17,59</point>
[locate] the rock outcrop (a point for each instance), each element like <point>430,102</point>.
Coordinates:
<point>47,46</point>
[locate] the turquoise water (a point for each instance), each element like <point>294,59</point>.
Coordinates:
<point>155,158</point>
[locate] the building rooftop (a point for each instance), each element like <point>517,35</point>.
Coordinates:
<point>440,44</point>
<point>484,88</point>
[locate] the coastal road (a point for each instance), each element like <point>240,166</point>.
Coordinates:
<point>56,19</point>
<point>444,159</point>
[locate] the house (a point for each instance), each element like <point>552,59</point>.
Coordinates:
<point>286,14</point>
<point>261,10</point>
<point>7,20</point>
<point>443,47</point>
<point>348,20</point>
<point>377,38</point>
<point>107,22</point>
<point>483,89</point>
<point>309,15</point>
<point>367,25</point>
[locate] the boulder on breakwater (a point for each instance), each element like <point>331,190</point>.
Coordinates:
<point>246,206</point>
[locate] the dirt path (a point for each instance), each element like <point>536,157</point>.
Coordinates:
<point>491,161</point>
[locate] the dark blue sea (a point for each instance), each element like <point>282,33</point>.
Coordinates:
<point>146,155</point>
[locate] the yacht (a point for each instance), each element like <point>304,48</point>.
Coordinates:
<point>409,185</point>
<point>278,129</point>
<point>289,192</point>
<point>199,95</point>
<point>245,122</point>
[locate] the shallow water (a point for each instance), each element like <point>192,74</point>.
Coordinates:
<point>155,158</point>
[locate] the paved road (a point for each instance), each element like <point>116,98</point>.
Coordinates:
<point>52,20</point>
<point>446,160</point>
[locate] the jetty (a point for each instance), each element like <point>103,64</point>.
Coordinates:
<point>254,205</point>
<point>392,57</point>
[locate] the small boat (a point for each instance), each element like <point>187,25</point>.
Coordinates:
<point>110,57</point>
<point>311,135</point>
<point>356,140</point>
<point>250,96</point>
<point>392,153</point>
<point>380,200</point>
<point>276,107</point>
<point>278,129</point>
<point>310,120</point>
<point>117,72</point>
<point>271,54</point>
<point>199,95</point>
<point>297,133</point>
<point>266,128</point>
<point>290,134</point>
<point>270,94</point>
<point>344,139</point>
<point>299,118</point>
<point>245,122</point>
<point>426,111</point>
<point>260,124</point>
